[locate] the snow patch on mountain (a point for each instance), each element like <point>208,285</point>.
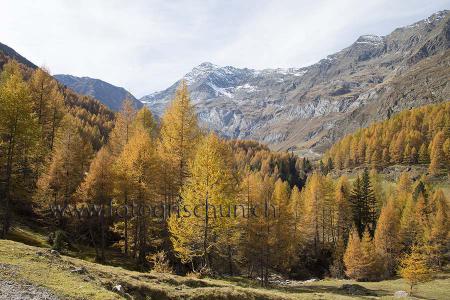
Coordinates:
<point>220,91</point>
<point>370,39</point>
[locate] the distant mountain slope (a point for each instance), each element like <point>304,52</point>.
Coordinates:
<point>9,53</point>
<point>307,109</point>
<point>110,95</point>
<point>405,138</point>
<point>94,115</point>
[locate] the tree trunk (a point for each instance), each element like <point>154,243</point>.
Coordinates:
<point>126,223</point>
<point>230,260</point>
<point>52,137</point>
<point>205,235</point>
<point>91,234</point>
<point>102,228</point>
<point>9,163</point>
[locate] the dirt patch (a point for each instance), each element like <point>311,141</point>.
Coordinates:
<point>11,290</point>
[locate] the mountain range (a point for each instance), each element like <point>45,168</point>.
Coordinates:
<point>307,109</point>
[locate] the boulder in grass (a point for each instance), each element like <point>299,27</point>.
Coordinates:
<point>78,270</point>
<point>401,294</point>
<point>119,289</point>
<point>356,289</point>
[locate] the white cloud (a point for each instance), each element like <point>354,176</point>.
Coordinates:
<point>147,45</point>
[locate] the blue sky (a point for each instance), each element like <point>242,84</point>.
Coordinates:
<point>145,46</point>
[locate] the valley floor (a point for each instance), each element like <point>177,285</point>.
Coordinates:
<point>28,272</point>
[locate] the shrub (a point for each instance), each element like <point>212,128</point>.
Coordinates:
<point>160,262</point>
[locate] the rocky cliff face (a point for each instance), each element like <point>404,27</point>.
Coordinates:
<point>110,95</point>
<point>306,109</point>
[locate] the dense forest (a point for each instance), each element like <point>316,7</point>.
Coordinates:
<point>416,136</point>
<point>59,149</point>
<point>36,116</point>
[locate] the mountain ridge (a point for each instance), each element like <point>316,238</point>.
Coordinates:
<point>304,108</point>
<point>107,93</point>
<point>8,52</point>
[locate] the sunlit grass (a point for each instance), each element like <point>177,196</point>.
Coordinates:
<point>47,272</point>
<point>27,236</point>
<point>38,266</point>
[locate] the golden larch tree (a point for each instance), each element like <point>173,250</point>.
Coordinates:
<point>283,227</point>
<point>179,137</point>
<point>386,238</point>
<point>48,105</point>
<point>414,268</point>
<point>408,230</point>
<point>123,128</point>
<point>437,155</point>
<point>212,189</point>
<point>353,255</point>
<point>438,238</point>
<point>18,138</point>
<point>137,169</point>
<point>97,189</point>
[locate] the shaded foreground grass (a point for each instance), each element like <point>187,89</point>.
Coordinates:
<point>38,266</point>
<point>74,278</point>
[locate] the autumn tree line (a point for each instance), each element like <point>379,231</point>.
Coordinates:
<point>369,230</point>
<point>58,150</point>
<point>416,136</point>
<point>36,114</point>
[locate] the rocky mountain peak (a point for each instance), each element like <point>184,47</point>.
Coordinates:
<point>199,72</point>
<point>369,39</point>
<point>207,65</point>
<point>436,17</point>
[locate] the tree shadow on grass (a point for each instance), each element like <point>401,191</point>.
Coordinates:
<point>351,290</point>
<point>344,289</point>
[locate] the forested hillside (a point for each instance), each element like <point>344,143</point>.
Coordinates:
<point>251,155</point>
<point>172,197</point>
<point>37,116</point>
<point>416,136</point>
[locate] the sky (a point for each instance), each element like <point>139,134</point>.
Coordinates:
<point>147,45</point>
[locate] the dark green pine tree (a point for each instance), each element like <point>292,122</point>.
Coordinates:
<point>329,164</point>
<point>322,168</point>
<point>370,214</point>
<point>364,204</point>
<point>356,199</point>
<point>306,165</point>
<point>420,189</point>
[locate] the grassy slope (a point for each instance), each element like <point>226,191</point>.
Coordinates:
<point>38,266</point>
